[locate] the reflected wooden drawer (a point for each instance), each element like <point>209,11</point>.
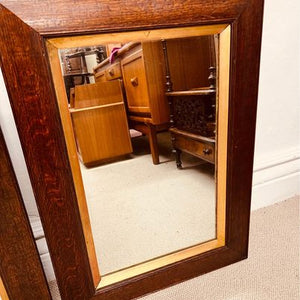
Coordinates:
<point>113,71</point>
<point>135,83</point>
<point>100,76</point>
<point>198,148</point>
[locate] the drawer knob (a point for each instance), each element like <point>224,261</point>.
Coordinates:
<point>111,72</point>
<point>134,81</point>
<point>206,151</point>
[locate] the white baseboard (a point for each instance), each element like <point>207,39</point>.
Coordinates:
<point>36,226</point>
<point>42,247</point>
<point>48,268</point>
<point>276,178</point>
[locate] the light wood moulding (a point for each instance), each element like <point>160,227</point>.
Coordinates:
<point>3,294</point>
<point>135,36</point>
<point>73,159</point>
<point>222,128</point>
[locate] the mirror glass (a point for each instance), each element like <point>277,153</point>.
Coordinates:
<point>144,117</point>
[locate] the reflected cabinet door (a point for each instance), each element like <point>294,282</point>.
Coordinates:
<point>141,161</point>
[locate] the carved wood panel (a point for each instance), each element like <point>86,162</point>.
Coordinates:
<point>195,114</point>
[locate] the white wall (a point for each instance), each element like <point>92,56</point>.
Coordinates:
<point>277,144</point>
<point>277,148</point>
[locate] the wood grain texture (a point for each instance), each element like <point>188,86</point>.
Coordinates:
<point>113,72</point>
<point>37,118</point>
<point>73,159</point>
<point>100,122</point>
<point>189,62</point>
<point>56,17</point>
<point>100,77</point>
<point>197,148</point>
<point>135,37</point>
<point>98,94</point>
<point>33,102</point>
<point>244,75</point>
<point>101,132</point>
<point>135,82</point>
<point>20,267</point>
<point>223,84</point>
<point>157,263</point>
<point>169,275</point>
<point>153,58</point>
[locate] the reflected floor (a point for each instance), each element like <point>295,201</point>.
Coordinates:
<point>139,211</point>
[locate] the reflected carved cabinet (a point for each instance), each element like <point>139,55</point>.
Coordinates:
<point>144,69</point>
<point>187,64</point>
<point>191,91</point>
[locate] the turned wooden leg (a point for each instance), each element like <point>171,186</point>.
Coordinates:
<point>153,144</point>
<point>177,152</point>
<point>178,158</point>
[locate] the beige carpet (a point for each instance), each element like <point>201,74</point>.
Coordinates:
<point>147,210</point>
<point>270,273</point>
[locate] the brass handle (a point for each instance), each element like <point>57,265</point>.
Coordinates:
<point>134,81</point>
<point>111,72</point>
<point>206,151</point>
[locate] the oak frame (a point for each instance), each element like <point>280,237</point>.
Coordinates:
<point>21,271</point>
<point>23,31</point>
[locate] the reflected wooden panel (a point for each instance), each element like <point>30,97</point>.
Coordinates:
<point>189,62</point>
<point>99,122</point>
<point>98,94</point>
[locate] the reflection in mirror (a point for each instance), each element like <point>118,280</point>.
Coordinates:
<point>144,119</point>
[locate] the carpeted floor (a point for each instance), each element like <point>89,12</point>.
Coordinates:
<point>271,271</point>
<point>147,210</point>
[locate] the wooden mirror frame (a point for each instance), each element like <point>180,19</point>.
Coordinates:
<point>24,28</point>
<point>21,271</point>
<point>54,46</point>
